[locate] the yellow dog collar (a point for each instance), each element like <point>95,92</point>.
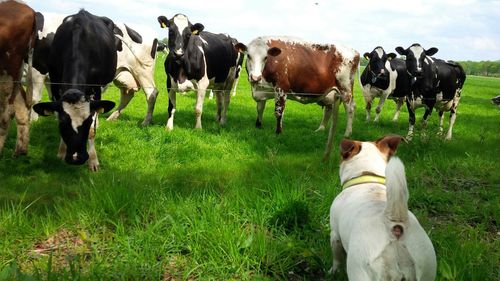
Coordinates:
<point>364,179</point>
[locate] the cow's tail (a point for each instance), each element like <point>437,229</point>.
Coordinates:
<point>461,76</point>
<point>396,221</point>
<point>396,209</point>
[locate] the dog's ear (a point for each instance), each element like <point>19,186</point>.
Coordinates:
<point>389,144</point>
<point>349,148</point>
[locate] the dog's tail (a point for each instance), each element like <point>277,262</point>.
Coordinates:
<point>396,209</point>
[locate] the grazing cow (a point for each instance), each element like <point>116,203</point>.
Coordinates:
<point>435,83</point>
<point>384,77</point>
<point>196,59</point>
<point>135,65</point>
<point>18,26</point>
<point>323,74</point>
<point>135,70</point>
<point>82,60</point>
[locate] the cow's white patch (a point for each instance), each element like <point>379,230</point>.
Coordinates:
<point>417,52</point>
<point>182,22</point>
<point>203,40</point>
<point>78,112</point>
<point>380,52</point>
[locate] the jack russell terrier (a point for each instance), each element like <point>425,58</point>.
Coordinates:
<point>370,220</point>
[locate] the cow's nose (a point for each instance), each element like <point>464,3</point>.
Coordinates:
<point>255,78</point>
<point>76,158</point>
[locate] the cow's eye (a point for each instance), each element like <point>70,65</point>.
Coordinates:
<point>265,58</point>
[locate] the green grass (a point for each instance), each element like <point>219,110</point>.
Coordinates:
<point>237,203</point>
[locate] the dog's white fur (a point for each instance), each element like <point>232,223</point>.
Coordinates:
<point>363,216</point>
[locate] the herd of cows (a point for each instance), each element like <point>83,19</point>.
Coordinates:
<point>82,53</point>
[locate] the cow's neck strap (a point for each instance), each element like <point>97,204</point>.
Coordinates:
<point>364,179</point>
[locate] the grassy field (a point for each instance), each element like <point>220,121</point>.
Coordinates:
<point>237,203</point>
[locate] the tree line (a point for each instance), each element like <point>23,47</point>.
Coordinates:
<point>479,68</point>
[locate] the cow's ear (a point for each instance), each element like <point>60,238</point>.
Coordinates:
<point>432,51</point>
<point>39,21</point>
<point>101,106</point>
<point>367,55</point>
<point>401,51</point>
<point>197,28</point>
<point>274,51</point>
<point>388,144</point>
<point>240,47</point>
<point>391,56</point>
<point>164,23</point>
<point>46,108</point>
<point>349,148</point>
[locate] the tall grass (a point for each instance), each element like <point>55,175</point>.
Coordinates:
<point>237,203</point>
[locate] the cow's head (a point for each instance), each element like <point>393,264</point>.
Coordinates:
<point>377,61</point>
<point>180,30</point>
<point>415,57</point>
<point>75,113</point>
<point>257,52</point>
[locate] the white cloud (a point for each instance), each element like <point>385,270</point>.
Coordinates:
<point>363,24</point>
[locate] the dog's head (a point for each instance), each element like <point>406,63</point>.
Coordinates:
<point>366,158</point>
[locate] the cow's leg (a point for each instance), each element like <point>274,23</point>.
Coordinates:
<point>335,114</point>
<point>235,86</point>
<point>261,104</point>
<point>381,102</point>
<point>399,103</point>
<point>218,100</point>
<point>425,119</point>
<point>61,153</point>
<point>453,116</point>
<point>37,85</point>
<point>368,107</point>
<point>327,113</point>
<point>6,109</point>
<point>202,88</point>
<point>441,119</point>
<point>226,98</point>
<point>411,120</point>
<point>279,110</point>
<point>93,161</point>
<point>151,94</point>
<point>349,106</point>
<point>6,88</point>
<point>171,103</point>
<point>22,106</point>
<point>125,98</point>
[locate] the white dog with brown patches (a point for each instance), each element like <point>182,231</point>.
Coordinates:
<point>370,220</point>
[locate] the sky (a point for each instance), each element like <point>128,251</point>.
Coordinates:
<point>460,29</point>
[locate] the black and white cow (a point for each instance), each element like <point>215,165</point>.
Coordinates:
<point>435,83</point>
<point>135,65</point>
<point>82,61</point>
<point>197,59</point>
<point>135,70</point>
<point>385,77</point>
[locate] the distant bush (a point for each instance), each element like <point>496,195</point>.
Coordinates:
<point>479,68</point>
<point>482,68</point>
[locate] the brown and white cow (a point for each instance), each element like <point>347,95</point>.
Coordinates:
<point>17,36</point>
<point>309,72</point>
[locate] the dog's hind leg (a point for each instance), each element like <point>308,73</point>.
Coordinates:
<point>338,252</point>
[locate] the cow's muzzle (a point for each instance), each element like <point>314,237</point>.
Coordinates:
<point>76,158</point>
<point>255,78</point>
